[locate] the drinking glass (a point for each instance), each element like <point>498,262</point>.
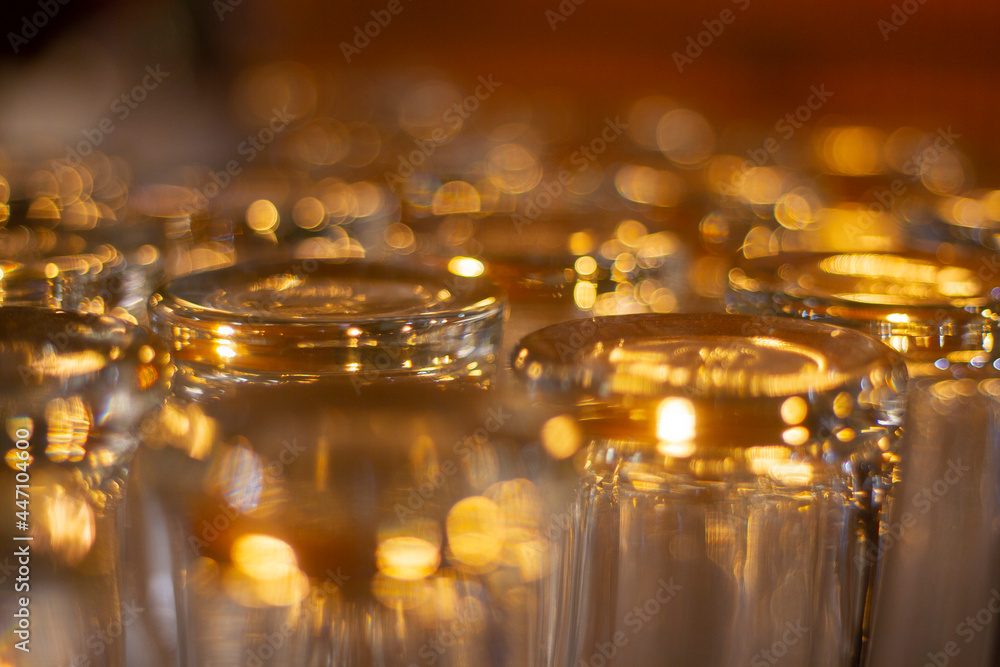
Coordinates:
<point>730,472</point>
<point>340,484</point>
<point>73,398</point>
<point>940,548</point>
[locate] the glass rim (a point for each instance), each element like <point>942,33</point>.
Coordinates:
<point>717,383</point>
<point>315,317</point>
<point>941,306</point>
<point>585,355</point>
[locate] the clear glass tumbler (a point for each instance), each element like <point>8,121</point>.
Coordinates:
<point>728,473</point>
<point>340,484</point>
<point>940,549</point>
<point>74,395</point>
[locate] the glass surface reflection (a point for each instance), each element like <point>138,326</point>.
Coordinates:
<point>340,483</point>
<point>74,393</point>
<point>373,529</point>
<point>940,312</point>
<point>731,470</point>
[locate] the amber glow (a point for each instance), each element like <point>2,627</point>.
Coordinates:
<point>68,364</point>
<point>64,523</point>
<point>675,420</point>
<point>262,216</point>
<point>455,197</point>
<point>853,150</point>
<point>467,267</point>
<point>475,528</point>
<point>69,422</point>
<point>561,436</point>
<point>794,410</point>
<point>263,556</point>
<point>408,558</point>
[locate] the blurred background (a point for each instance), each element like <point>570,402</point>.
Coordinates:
<point>926,64</point>
<point>654,142</point>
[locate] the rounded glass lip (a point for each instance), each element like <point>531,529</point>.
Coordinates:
<point>922,304</point>
<point>275,316</point>
<point>187,296</point>
<point>592,356</point>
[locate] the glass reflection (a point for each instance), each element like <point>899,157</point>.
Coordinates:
<point>75,392</point>
<point>939,311</point>
<point>731,475</point>
<point>377,508</point>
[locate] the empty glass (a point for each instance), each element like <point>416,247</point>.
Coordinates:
<point>287,321</point>
<point>73,395</point>
<point>730,468</point>
<point>940,551</point>
<point>340,485</point>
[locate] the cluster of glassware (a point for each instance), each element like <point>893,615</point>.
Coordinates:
<point>452,381</point>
